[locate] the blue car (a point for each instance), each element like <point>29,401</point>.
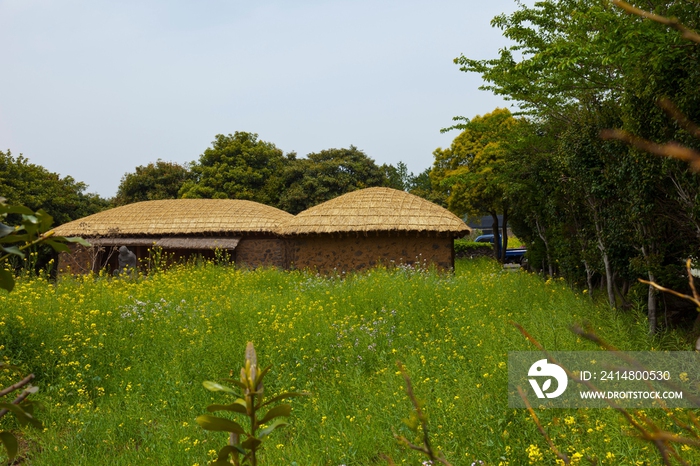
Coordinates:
<point>514,255</point>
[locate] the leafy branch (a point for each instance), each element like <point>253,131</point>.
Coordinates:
<point>244,444</point>
<point>21,409</point>
<point>686,32</point>
<point>33,230</point>
<point>670,149</point>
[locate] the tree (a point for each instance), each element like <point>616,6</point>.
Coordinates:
<point>160,180</point>
<point>577,67</point>
<point>470,171</point>
<point>64,199</point>
<point>324,175</point>
<point>237,166</point>
<point>422,186</point>
<point>397,177</point>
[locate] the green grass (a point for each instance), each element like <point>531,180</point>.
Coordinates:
<point>120,363</point>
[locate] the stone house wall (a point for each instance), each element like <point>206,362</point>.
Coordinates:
<point>251,252</point>
<point>80,260</point>
<point>257,252</point>
<point>326,253</point>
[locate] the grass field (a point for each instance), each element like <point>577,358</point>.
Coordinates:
<point>120,364</point>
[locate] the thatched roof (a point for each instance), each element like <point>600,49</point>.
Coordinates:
<point>376,210</point>
<point>179,217</point>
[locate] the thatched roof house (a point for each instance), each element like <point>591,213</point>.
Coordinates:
<point>248,230</point>
<point>370,226</point>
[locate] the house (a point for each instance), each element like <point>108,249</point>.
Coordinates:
<point>363,228</point>
<point>246,230</point>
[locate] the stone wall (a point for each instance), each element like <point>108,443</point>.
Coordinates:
<point>347,253</point>
<point>83,260</point>
<point>80,260</point>
<point>256,252</point>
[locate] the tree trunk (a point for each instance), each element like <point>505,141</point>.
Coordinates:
<point>543,237</point>
<point>609,276</point>
<point>609,279</point>
<point>651,306</point>
<point>621,293</point>
<point>496,237</point>
<point>504,235</point>
<point>651,296</point>
<point>589,279</point>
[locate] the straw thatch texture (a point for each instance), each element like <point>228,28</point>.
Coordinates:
<point>375,210</point>
<point>178,217</point>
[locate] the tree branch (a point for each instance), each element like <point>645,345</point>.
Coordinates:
<point>18,385</point>
<point>19,399</point>
<point>686,33</point>
<point>534,417</point>
<point>680,118</point>
<point>671,149</point>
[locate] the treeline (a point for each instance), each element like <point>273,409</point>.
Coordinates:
<point>241,166</point>
<point>599,212</point>
<point>236,166</point>
<point>33,186</point>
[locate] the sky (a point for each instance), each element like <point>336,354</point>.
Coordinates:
<point>92,89</point>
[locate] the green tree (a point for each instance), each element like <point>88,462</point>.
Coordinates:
<point>470,171</point>
<point>160,180</point>
<point>422,186</point>
<point>577,67</point>
<point>64,199</point>
<point>397,177</point>
<point>324,175</point>
<point>237,166</point>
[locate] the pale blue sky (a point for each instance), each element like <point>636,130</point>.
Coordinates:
<point>92,88</point>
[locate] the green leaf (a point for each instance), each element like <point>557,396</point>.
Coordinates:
<point>268,430</point>
<point>28,407</point>
<point>16,238</point>
<point>10,443</point>
<point>45,220</point>
<point>235,407</point>
<point>263,373</point>
<point>12,250</point>
<point>57,245</point>
<point>218,424</point>
<point>22,416</point>
<point>30,218</point>
<point>217,387</point>
<point>30,224</point>
<point>277,411</point>
<point>223,455</point>
<point>251,443</point>
<point>75,239</point>
<point>5,230</point>
<point>16,209</point>
<point>7,280</point>
<point>237,383</point>
<point>284,396</point>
